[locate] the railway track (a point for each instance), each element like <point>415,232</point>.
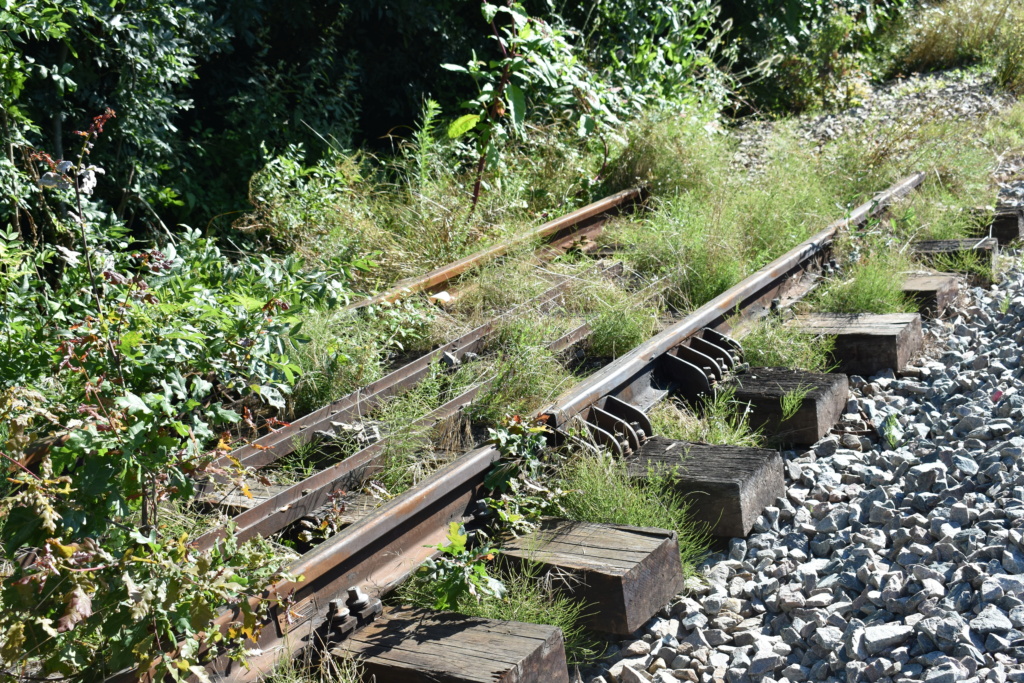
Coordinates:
<point>345,576</point>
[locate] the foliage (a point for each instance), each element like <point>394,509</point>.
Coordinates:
<point>520,443</point>
<point>458,571</point>
<point>132,362</point>
<point>519,496</point>
<point>619,328</point>
<point>342,350</point>
<point>792,400</point>
<point>872,285</point>
<point>538,68</point>
<point>943,35</point>
<point>810,53</point>
<point>340,667</point>
<point>531,597</point>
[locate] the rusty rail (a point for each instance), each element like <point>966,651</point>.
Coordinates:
<point>384,548</point>
<point>558,229</point>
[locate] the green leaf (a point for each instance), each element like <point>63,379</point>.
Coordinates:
<point>222,414</point>
<point>457,539</point>
<point>133,404</point>
<point>463,125</point>
<point>454,67</point>
<point>137,536</point>
<point>130,341</point>
<point>517,106</point>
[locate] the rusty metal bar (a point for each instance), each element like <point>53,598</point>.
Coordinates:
<point>583,217</point>
<point>384,548</point>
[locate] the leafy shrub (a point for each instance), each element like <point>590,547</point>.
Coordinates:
<point>126,367</point>
<point>804,54</point>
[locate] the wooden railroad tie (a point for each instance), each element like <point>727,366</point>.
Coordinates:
<point>623,574</point>
<point>409,645</point>
<point>819,398</point>
<point>944,254</point>
<point>866,343</point>
<point>727,487</point>
<point>934,293</point>
<point>1005,223</point>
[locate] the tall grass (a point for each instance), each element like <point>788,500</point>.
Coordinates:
<point>942,35</point>
<point>410,211</point>
<point>873,284</point>
<point>332,669</point>
<point>770,344</point>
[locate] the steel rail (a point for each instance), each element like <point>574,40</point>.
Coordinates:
<point>305,497</point>
<point>622,377</point>
<point>381,550</point>
<point>557,229</point>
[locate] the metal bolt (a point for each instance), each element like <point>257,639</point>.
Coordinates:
<point>336,611</point>
<point>357,599</point>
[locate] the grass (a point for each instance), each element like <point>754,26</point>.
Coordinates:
<point>526,373</point>
<point>872,284</point>
<point>793,399</point>
<point>409,455</point>
<point>960,32</point>
<point>669,154</point>
<point>531,598</point>
<point>718,420</point>
<point>411,210</point>
<point>333,669</point>
<point>343,350</point>
<point>598,489</point>
<point>770,344</point>
<point>971,263</point>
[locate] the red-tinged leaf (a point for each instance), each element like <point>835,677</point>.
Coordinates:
<point>79,608</point>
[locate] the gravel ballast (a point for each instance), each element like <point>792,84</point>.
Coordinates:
<point>896,555</point>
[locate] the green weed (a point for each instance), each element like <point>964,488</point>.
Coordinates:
<point>770,344</point>
<point>974,264</point>
<point>670,155</point>
<point>530,598</point>
<point>599,489</point>
<point>409,454</point>
<point>342,668</point>
<point>343,350</point>
<point>719,419</point>
<point>526,373</point>
<point>943,35</point>
<point>793,399</point>
<point>871,285</point>
<point>619,328</point>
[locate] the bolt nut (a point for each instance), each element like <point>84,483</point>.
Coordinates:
<point>357,599</point>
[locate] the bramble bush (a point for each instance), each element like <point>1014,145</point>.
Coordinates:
<point>126,366</point>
